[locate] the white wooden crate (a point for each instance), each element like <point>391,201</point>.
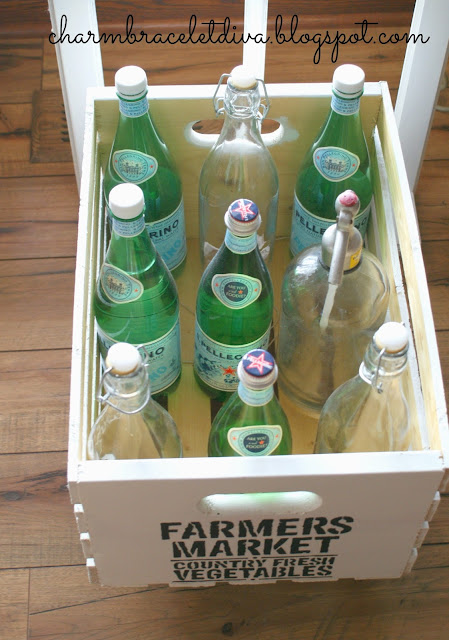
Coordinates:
<point>146,521</point>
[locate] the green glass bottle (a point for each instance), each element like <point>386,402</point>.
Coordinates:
<point>140,156</point>
<point>252,422</point>
<point>234,304</point>
<point>131,425</point>
<point>136,299</point>
<point>337,160</point>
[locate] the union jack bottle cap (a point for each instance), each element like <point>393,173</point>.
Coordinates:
<point>257,369</point>
<point>242,217</point>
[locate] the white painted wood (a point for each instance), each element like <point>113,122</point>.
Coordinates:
<point>424,64</point>
<point>79,64</point>
<point>255,25</point>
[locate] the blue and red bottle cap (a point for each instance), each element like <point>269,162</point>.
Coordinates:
<point>257,369</point>
<point>243,210</point>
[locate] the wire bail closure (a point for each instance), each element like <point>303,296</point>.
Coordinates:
<point>106,398</point>
<point>376,386</point>
<point>264,101</point>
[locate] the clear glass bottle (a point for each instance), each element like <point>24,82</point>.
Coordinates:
<point>140,156</point>
<point>369,412</point>
<point>136,299</point>
<point>337,160</point>
<point>238,166</point>
<point>131,425</point>
<point>252,422</point>
<point>234,305</point>
<point>334,297</point>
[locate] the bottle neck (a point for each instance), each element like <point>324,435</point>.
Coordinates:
<point>345,106</point>
<point>128,228</point>
<point>133,108</point>
<point>380,369</point>
<point>241,108</point>
<point>255,398</point>
<point>240,244</point>
<point>127,393</point>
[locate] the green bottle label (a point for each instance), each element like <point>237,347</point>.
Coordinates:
<point>216,363</point>
<point>133,108</point>
<point>134,166</point>
<point>260,440</point>
<point>344,106</point>
<point>335,164</point>
<point>118,285</point>
<point>169,237</point>
<point>128,228</point>
<point>164,356</point>
<point>255,398</point>
<point>308,229</point>
<point>240,245</point>
<point>236,290</point>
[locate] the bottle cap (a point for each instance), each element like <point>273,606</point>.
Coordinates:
<point>241,78</point>
<point>348,81</point>
<point>242,217</point>
<point>347,206</point>
<point>257,369</point>
<point>392,336</point>
<point>131,82</point>
<point>123,358</point>
<point>126,201</point>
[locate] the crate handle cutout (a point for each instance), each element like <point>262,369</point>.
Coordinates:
<point>277,503</point>
<point>278,134</point>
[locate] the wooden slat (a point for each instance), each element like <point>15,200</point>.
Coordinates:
<point>38,526</point>
<point>435,257</point>
<point>439,527</point>
<point>32,423</point>
<point>14,604</point>
<point>37,300</point>
<point>21,64</point>
<point>433,556</point>
<point>50,140</point>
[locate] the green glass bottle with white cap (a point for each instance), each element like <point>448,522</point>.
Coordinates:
<point>136,299</point>
<point>140,156</point>
<point>131,425</point>
<point>234,305</point>
<point>337,160</point>
<point>239,165</point>
<point>252,422</point>
<point>334,296</point>
<point>369,412</point>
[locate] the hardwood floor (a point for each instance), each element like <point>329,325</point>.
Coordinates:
<point>44,591</point>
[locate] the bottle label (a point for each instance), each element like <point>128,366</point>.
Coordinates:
<point>334,163</point>
<point>260,440</point>
<point>169,237</point>
<point>216,363</point>
<point>128,228</point>
<point>118,285</point>
<point>255,398</point>
<point>134,166</point>
<point>240,245</point>
<point>163,354</point>
<point>133,109</point>
<point>344,106</point>
<point>308,229</point>
<point>236,290</point>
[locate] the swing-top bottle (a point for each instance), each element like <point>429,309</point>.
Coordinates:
<point>337,160</point>
<point>234,304</point>
<point>239,165</point>
<point>136,299</point>
<point>334,297</point>
<point>131,425</point>
<point>369,412</point>
<point>140,156</point>
<point>252,422</point>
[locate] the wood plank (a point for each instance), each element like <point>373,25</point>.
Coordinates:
<point>38,525</point>
<point>36,295</point>
<point>14,604</point>
<point>412,607</point>
<point>50,140</point>
<point>40,214</point>
<point>432,556</point>
<point>33,425</point>
<point>435,260</point>
<point>21,65</point>
<point>439,527</point>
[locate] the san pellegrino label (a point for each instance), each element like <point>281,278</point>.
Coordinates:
<point>164,356</point>
<point>345,107</point>
<point>216,363</point>
<point>134,166</point>
<point>260,440</point>
<point>169,237</point>
<point>128,228</point>
<point>308,228</point>
<point>255,398</point>
<point>118,285</point>
<point>335,163</point>
<point>236,290</point>
<point>133,108</point>
<point>240,245</point>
